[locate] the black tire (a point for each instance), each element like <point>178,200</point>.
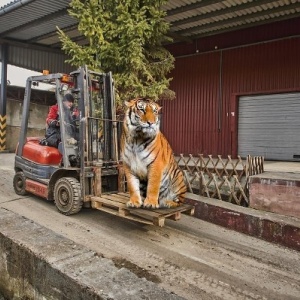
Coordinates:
<point>19,184</point>
<point>67,196</point>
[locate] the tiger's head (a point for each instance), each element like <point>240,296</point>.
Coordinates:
<point>142,116</point>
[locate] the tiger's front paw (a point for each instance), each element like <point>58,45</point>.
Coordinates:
<point>172,204</point>
<point>151,203</point>
<point>134,202</point>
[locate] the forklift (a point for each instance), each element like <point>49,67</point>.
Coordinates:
<point>85,170</point>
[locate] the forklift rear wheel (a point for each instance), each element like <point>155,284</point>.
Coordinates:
<point>67,196</point>
<point>20,184</point>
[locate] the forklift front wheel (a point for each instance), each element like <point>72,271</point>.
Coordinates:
<point>20,184</point>
<point>67,196</point>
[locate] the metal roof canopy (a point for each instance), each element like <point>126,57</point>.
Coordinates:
<point>28,27</point>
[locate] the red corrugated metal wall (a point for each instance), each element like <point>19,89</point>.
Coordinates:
<point>200,120</point>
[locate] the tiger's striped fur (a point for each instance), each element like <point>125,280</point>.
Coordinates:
<point>153,177</point>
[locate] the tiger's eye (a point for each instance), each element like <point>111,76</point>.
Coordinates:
<point>140,105</point>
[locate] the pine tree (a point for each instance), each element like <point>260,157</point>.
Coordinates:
<point>125,37</point>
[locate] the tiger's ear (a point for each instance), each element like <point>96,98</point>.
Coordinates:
<point>158,107</point>
<point>130,103</point>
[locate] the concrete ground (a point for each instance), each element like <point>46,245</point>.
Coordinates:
<point>93,255</point>
<point>282,166</point>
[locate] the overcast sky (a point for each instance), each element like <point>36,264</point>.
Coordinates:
<point>18,76</point>
<point>4,2</point>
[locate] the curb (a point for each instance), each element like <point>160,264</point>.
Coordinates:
<point>37,263</point>
<point>271,227</point>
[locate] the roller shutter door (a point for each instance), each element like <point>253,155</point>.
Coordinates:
<point>269,125</point>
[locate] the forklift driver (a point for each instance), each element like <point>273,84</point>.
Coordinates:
<point>53,136</point>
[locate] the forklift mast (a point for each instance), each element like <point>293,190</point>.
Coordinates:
<point>96,104</point>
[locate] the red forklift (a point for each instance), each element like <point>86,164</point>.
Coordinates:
<point>84,171</point>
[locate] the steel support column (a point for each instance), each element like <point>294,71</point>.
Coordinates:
<point>4,55</point>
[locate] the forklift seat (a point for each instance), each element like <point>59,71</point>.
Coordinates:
<point>40,154</point>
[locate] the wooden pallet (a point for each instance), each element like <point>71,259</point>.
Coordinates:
<point>116,204</point>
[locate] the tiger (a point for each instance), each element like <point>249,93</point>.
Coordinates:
<point>154,179</point>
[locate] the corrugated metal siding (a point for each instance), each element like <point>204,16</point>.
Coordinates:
<point>38,60</point>
<point>269,126</point>
<point>245,36</point>
<point>191,121</point>
<point>199,18</point>
<point>45,28</point>
<point>32,10</point>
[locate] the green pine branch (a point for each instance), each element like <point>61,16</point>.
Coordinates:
<point>125,37</point>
